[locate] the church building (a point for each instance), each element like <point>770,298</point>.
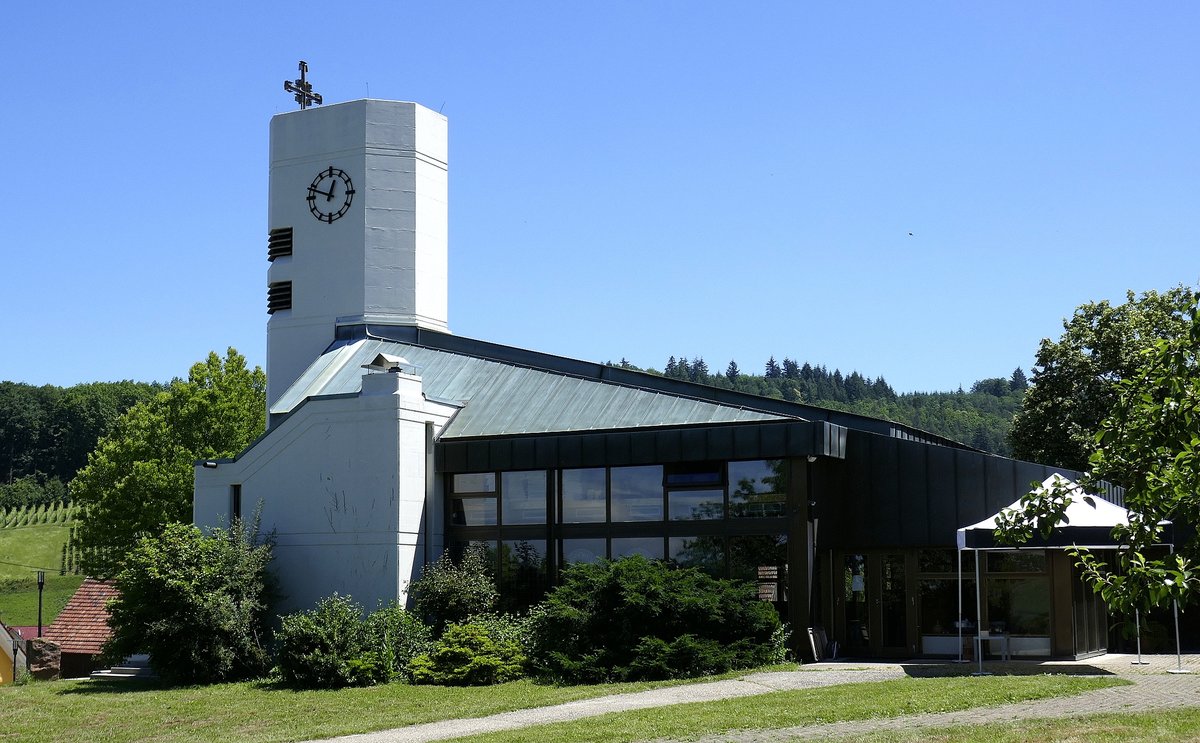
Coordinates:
<point>391,440</point>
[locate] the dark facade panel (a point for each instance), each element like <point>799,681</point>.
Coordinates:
<point>771,440</point>
<point>500,455</point>
<point>941,494</point>
<point>913,484</point>
<point>1001,484</point>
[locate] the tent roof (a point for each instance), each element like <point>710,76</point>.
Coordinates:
<point>1087,522</point>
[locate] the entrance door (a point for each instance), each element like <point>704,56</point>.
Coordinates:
<point>873,610</point>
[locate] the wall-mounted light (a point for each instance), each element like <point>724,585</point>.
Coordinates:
<point>811,458</point>
<point>209,464</point>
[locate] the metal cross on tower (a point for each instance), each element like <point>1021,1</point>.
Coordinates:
<point>302,88</point>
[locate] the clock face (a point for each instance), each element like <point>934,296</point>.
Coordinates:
<point>330,194</point>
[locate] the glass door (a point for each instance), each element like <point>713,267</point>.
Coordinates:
<point>873,608</point>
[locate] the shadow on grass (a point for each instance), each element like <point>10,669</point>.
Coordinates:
<point>1002,668</point>
<point>118,686</point>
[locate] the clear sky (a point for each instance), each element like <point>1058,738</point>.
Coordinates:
<point>916,190</point>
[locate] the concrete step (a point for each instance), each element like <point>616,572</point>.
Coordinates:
<point>133,667</point>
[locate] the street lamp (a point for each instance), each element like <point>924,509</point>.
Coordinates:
<point>41,585</point>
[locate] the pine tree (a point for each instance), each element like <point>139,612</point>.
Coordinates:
<point>699,370</point>
<point>773,370</point>
<point>791,369</point>
<point>1018,381</point>
<point>731,371</point>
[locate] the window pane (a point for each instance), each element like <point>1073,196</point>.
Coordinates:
<point>481,482</point>
<point>523,497</point>
<point>696,504</point>
<point>694,474</point>
<point>751,556</point>
<point>945,561</point>
<point>757,488</point>
<point>939,606</point>
<point>583,496</point>
<point>1031,561</point>
<point>649,547</point>
<point>1020,606</point>
<point>582,550</point>
<point>524,573</point>
<point>706,553</point>
<point>637,494</point>
<point>473,511</point>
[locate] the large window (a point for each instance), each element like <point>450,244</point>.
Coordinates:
<point>524,573</point>
<point>637,494</point>
<point>757,488</point>
<point>523,497</point>
<point>474,501</point>
<point>583,496</point>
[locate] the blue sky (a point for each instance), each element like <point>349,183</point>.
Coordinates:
<point>627,179</point>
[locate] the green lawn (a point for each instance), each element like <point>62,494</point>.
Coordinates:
<point>115,711</point>
<point>862,701</point>
<point>1132,727</point>
<point>19,600</point>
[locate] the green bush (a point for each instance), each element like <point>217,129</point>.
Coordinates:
<point>466,655</point>
<point>447,593</point>
<point>315,647</point>
<point>397,637</point>
<point>332,646</point>
<point>634,619</point>
<point>197,604</point>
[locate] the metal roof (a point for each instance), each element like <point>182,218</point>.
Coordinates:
<point>500,398</point>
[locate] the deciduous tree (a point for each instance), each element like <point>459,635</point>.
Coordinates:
<point>139,478</point>
<point>1074,379</point>
<point>1151,441</point>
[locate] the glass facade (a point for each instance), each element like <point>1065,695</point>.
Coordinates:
<point>725,518</point>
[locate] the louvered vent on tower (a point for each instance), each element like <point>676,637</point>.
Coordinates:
<point>279,296</point>
<point>279,242</point>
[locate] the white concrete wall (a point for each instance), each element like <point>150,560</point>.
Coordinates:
<point>344,485</point>
<point>386,260</point>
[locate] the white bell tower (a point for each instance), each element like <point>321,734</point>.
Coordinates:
<point>357,215</point>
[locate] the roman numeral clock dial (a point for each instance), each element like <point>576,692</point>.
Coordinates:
<point>330,194</point>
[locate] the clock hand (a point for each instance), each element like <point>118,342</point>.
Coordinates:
<point>329,196</point>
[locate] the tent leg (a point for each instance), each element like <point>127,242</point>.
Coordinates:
<point>1137,623</point>
<point>1178,650</point>
<point>979,618</point>
<point>960,616</point>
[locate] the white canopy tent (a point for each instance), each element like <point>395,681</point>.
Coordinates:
<point>1087,523</point>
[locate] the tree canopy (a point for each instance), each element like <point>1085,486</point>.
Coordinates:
<point>140,476</point>
<point>1149,441</point>
<point>1074,380</point>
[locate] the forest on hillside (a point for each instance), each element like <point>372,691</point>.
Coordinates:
<point>46,433</point>
<point>980,417</point>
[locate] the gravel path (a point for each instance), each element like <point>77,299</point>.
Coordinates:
<point>1153,688</point>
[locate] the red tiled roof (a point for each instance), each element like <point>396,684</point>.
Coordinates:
<point>82,626</point>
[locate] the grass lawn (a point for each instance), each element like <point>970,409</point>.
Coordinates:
<point>19,601</point>
<point>97,709</point>
<point>114,711</point>
<point>1133,727</point>
<point>785,709</point>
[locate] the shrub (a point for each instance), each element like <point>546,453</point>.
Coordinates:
<point>397,637</point>
<point>316,646</point>
<point>450,594</point>
<point>634,619</point>
<point>466,655</point>
<point>332,646</point>
<point>197,604</point>
<point>514,628</point>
